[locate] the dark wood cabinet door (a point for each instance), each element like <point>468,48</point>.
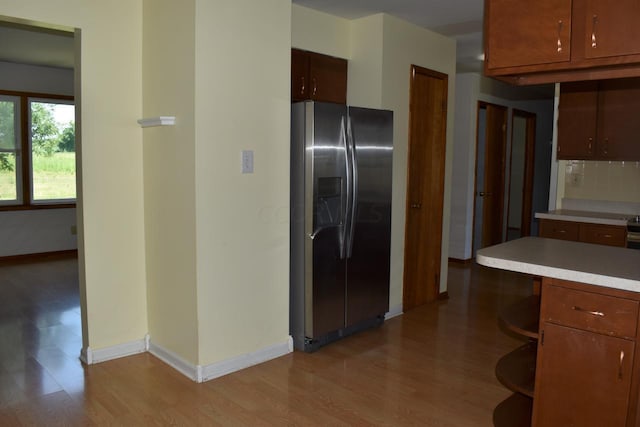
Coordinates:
<point>527,33</point>
<point>562,230</point>
<point>611,27</point>
<point>328,78</point>
<point>299,75</point>
<point>577,120</point>
<point>619,119</point>
<point>582,378</point>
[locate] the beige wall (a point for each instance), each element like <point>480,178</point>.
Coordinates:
<point>169,175</point>
<point>111,226</point>
<point>242,103</point>
<point>382,49</point>
<point>319,32</point>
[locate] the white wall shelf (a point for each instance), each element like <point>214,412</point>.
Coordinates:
<point>157,121</point>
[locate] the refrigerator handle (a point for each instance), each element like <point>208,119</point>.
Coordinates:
<point>354,186</point>
<point>343,235</point>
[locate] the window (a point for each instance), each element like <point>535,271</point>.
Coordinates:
<point>44,129</point>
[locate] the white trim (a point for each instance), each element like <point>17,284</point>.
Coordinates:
<point>393,312</point>
<point>157,121</point>
<point>183,366</point>
<point>237,363</point>
<point>91,356</point>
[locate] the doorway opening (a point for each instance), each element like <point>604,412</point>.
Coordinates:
<point>491,144</point>
<point>521,170</point>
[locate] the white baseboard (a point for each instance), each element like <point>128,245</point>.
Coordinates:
<point>91,356</point>
<point>188,369</point>
<point>393,312</point>
<point>197,373</point>
<point>237,363</point>
<point>200,373</point>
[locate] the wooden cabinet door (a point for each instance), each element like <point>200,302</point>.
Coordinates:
<point>527,32</point>
<point>618,119</point>
<point>577,120</point>
<point>611,27</point>
<point>562,230</point>
<point>328,78</point>
<point>582,378</point>
<point>299,75</point>
<point>610,235</point>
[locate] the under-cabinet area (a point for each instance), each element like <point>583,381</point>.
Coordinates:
<point>579,366</point>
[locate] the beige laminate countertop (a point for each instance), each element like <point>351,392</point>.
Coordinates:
<point>586,216</point>
<point>600,265</point>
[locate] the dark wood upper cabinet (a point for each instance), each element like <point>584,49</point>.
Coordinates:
<point>318,77</point>
<point>598,120</point>
<point>525,33</point>
<point>549,41</point>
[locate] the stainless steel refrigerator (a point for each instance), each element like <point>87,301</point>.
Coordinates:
<point>341,159</point>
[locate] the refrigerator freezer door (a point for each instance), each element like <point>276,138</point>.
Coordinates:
<point>325,204</point>
<point>369,265</point>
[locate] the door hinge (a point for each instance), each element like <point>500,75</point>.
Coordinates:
<point>542,337</point>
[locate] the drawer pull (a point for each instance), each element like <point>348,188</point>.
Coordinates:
<point>621,362</point>
<point>593,313</point>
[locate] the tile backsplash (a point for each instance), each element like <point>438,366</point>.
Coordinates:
<point>612,181</point>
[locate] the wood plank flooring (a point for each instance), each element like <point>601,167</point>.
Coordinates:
<point>433,366</point>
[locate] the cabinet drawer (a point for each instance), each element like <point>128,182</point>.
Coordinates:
<point>590,311</point>
<point>603,234</point>
<point>564,230</point>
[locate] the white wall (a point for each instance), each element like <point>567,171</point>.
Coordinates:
<point>472,87</point>
<point>43,230</point>
<point>111,220</point>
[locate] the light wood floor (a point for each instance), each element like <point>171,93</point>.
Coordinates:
<point>433,366</point>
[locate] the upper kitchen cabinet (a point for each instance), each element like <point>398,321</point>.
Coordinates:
<point>598,120</point>
<point>561,40</point>
<point>318,77</point>
<point>527,33</point>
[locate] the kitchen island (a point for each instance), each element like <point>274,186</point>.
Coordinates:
<point>580,366</point>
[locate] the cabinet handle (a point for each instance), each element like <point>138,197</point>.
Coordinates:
<point>621,362</point>
<point>302,87</point>
<point>315,86</point>
<point>593,313</point>
<point>561,232</point>
<point>605,149</point>
<point>590,145</point>
<point>416,205</point>
<point>559,36</point>
<point>594,41</point>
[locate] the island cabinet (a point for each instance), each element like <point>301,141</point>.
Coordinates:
<point>318,77</point>
<point>587,369</point>
<point>561,40</point>
<point>598,120</point>
<point>602,234</point>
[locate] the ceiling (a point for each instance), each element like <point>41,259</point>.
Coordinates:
<point>461,19</point>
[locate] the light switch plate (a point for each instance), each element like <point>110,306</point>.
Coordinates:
<point>247,161</point>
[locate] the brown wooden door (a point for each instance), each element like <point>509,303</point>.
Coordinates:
<point>618,119</point>
<point>490,189</point>
<point>425,187</point>
<point>527,32</point>
<point>577,120</point>
<point>611,27</point>
<point>582,378</point>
